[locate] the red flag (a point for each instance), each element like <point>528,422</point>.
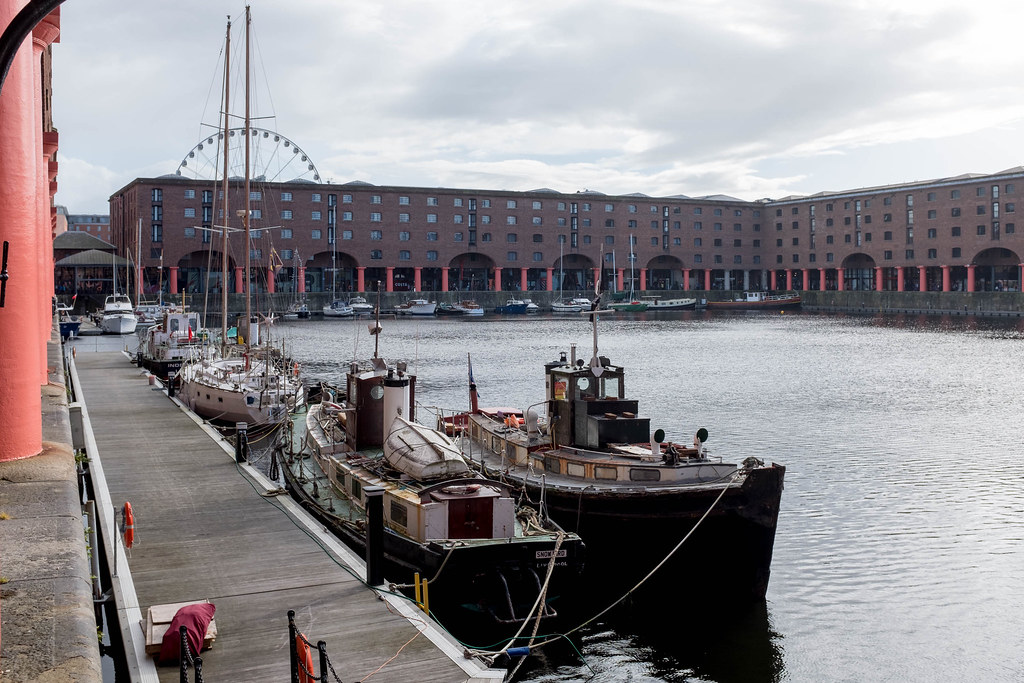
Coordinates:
<point>190,333</point>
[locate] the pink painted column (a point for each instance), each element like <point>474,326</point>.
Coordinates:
<point>900,283</point>
<point>497,279</point>
<point>597,275</point>
<point>271,285</point>
<point>417,278</point>
<point>20,401</point>
<point>522,279</point>
<point>172,280</point>
<point>239,282</point>
<point>643,279</point>
<point>945,278</point>
<point>707,280</point>
<point>922,279</point>
<point>389,285</point>
<point>301,284</point>
<point>444,278</point>
<point>775,277</point>
<point>821,279</point>
<point>620,278</point>
<point>970,278</point>
<point>551,279</point>
<point>878,279</point>
<point>686,279</point>
<point>360,278</point>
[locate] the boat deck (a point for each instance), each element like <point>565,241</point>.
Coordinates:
<point>208,529</point>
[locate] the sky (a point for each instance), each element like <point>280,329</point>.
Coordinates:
<point>748,98</point>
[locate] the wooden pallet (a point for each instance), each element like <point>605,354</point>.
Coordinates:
<point>158,620</point>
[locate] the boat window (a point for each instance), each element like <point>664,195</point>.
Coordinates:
<point>357,490</point>
<point>399,514</point>
<point>340,478</point>
<point>553,465</point>
<point>510,451</point>
<point>174,325</point>
<point>496,444</point>
<point>575,469</point>
<point>644,474</point>
<point>610,473</point>
<point>611,386</point>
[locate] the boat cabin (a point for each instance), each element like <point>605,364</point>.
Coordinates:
<point>588,409</point>
<point>364,424</point>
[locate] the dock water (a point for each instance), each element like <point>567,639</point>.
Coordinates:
<point>207,528</point>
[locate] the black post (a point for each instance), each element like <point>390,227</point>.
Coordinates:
<point>241,442</point>
<point>321,646</point>
<point>374,535</point>
<point>291,646</point>
<point>171,378</point>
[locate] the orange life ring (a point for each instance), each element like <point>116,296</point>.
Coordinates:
<point>129,524</point>
<point>295,369</point>
<point>305,657</point>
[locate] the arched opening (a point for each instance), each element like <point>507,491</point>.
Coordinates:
<point>858,273</point>
<point>470,271</point>
<point>199,272</point>
<point>996,270</point>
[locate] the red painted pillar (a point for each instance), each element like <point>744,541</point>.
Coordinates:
<point>900,282</point>
<point>620,278</point>
<point>840,279</point>
<point>789,278</point>
<point>821,279</point>
<point>42,35</point>
<point>172,281</point>
<point>686,279</point>
<point>389,285</point>
<point>522,279</point>
<point>417,278</point>
<point>20,401</point>
<point>301,284</point>
<point>551,279</point>
<point>878,279</point>
<point>945,278</point>
<point>360,278</point>
<point>707,280</point>
<point>497,279</point>
<point>643,279</point>
<point>970,278</point>
<point>775,277</point>
<point>444,278</point>
<point>239,282</point>
<point>922,279</point>
<point>271,285</point>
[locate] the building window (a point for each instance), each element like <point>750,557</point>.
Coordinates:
<point>512,256</point>
<point>190,213</point>
<point>698,258</point>
<point>157,194</point>
<point>697,241</point>
<point>404,255</point>
<point>431,255</point>
<point>315,215</point>
<point>286,215</point>
<point>158,213</point>
<point>511,237</point>
<point>403,201</point>
<point>376,254</point>
<point>609,223</point>
<point>697,211</point>
<point>431,201</point>
<point>510,204</point>
<point>956,231</point>
<point>538,256</point>
<point>376,235</point>
<point>431,236</point>
<point>537,220</point>
<point>981,229</point>
<point>255,213</point>
<point>346,199</point>
<point>457,218</point>
<point>317,235</point>
<point>190,232</point>
<point>486,237</point>
<point>510,220</point>
<point>457,237</point>
<point>376,199</point>
<point>887,255</point>
<point>485,220</point>
<point>346,215</point>
<point>933,254</point>
<point>403,237</point>
<point>910,254</point>
<point>980,210</point>
<point>315,197</point>
<point>287,254</point>
<point>955,194</point>
<point>255,196</point>
<point>207,196</point>
<point>286,233</point>
<point>286,196</point>
<point>346,234</point>
<point>457,201</point>
<point>829,239</point>
<point>431,217</point>
<point>1009,228</point>
<point>718,226</point>
<point>375,217</point>
<point>609,239</point>
<point>538,238</point>
<point>956,252</point>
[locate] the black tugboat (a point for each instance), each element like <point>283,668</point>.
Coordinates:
<point>595,466</point>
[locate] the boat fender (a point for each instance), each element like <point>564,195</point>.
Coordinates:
<point>128,524</point>
<point>305,659</point>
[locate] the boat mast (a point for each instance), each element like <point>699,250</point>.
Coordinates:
<point>224,191</point>
<point>138,264</point>
<point>245,218</point>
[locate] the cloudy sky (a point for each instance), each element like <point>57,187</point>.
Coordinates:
<point>750,98</point>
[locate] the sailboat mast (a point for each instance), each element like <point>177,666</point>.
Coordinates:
<point>245,220</point>
<point>138,264</point>
<point>224,191</point>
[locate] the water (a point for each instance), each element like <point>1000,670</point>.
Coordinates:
<point>899,553</point>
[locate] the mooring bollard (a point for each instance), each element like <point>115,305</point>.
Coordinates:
<point>374,535</point>
<point>241,442</point>
<point>171,376</point>
<point>292,631</point>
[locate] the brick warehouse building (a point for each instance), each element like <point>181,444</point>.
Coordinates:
<point>951,234</point>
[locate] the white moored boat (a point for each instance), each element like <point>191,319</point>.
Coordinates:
<point>118,315</point>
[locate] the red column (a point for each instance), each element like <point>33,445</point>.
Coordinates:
<point>239,281</point>
<point>497,279</point>
<point>900,284</point>
<point>172,280</point>
<point>840,279</point>
<point>878,279</point>
<point>643,279</point>
<point>42,35</point>
<point>271,285</point>
<point>789,278</point>
<point>444,278</point>
<point>522,279</point>
<point>970,278</point>
<point>551,280</point>
<point>945,278</point>
<point>775,277</point>
<point>360,278</point>
<point>922,279</point>
<point>707,280</point>
<point>417,278</point>
<point>821,279</point>
<point>686,279</point>
<point>389,285</point>
<point>20,401</point>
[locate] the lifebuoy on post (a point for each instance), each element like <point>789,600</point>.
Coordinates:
<point>295,369</point>
<point>305,657</point>
<point>128,524</point>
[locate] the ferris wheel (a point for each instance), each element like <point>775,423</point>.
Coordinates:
<point>272,157</point>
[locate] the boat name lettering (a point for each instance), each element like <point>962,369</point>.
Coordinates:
<point>546,554</point>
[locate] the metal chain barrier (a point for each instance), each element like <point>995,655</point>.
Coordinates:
<point>187,659</point>
<point>299,670</point>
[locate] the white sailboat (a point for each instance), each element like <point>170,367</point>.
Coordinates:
<point>118,315</point>
<point>251,383</point>
<point>573,305</point>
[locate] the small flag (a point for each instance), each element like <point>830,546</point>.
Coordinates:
<point>73,297</point>
<point>190,333</point>
<point>472,383</point>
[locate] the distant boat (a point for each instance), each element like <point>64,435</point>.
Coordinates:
<point>655,303</point>
<point>166,346</point>
<point>118,315</point>
<point>416,307</point>
<point>758,300</point>
<point>470,307</point>
<point>633,306</point>
<point>298,310</point>
<point>574,305</point>
<point>512,306</point>
<point>338,309</point>
<point>531,307</point>
<point>359,305</point>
